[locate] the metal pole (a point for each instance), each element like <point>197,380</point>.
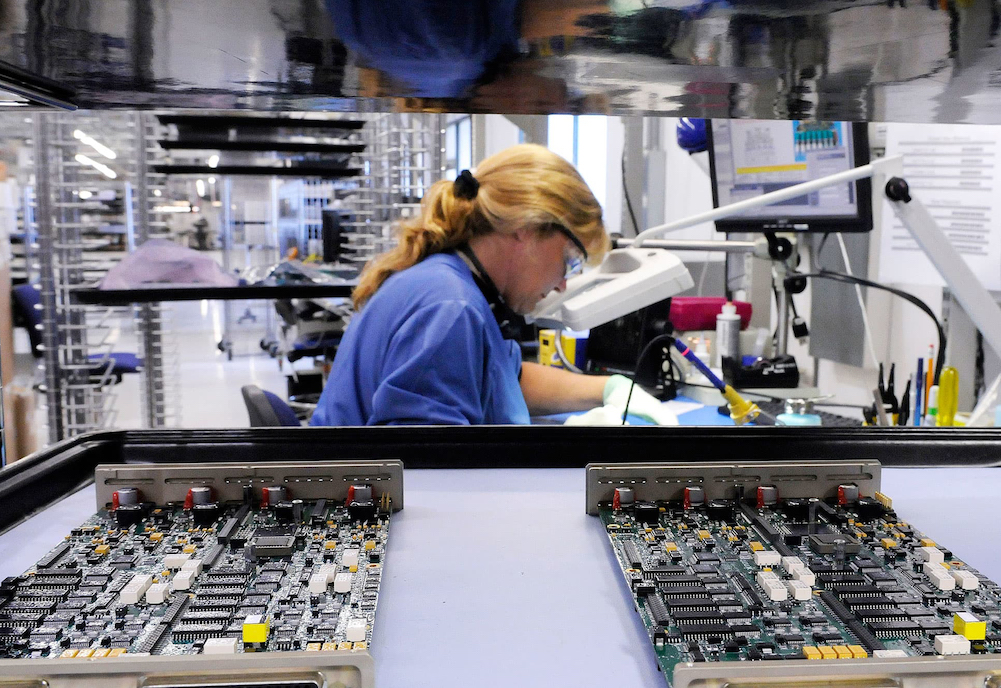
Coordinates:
<point>154,405</point>
<point>47,270</point>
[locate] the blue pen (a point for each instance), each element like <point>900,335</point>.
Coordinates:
<point>919,390</point>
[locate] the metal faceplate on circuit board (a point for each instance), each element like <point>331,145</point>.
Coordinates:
<point>209,576</point>
<point>794,573</point>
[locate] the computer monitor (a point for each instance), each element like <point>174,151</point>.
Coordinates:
<point>749,158</point>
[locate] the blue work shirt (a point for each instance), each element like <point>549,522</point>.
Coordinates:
<point>425,349</point>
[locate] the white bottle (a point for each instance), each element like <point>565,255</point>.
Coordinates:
<point>727,334</point>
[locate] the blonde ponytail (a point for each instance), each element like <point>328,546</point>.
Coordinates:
<point>523,186</point>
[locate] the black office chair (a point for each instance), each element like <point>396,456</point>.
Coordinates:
<point>267,410</point>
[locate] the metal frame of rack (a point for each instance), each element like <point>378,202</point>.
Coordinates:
<point>404,157</point>
<point>78,338</point>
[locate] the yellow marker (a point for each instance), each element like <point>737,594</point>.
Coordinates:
<point>360,646</point>
<point>68,654</point>
<point>156,537</point>
<point>101,652</point>
<point>842,652</point>
<point>102,549</point>
<point>189,549</point>
<point>948,396</point>
<point>670,547</point>
<point>827,652</point>
<point>969,626</point>
<point>256,628</point>
<point>313,647</point>
<point>117,652</point>
<point>858,652</point>
<point>810,652</point>
<point>888,543</point>
<point>755,546</point>
<point>84,654</point>
<point>329,647</point>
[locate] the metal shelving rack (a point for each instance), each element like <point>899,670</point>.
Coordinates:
<point>405,156</point>
<point>79,338</point>
<point>158,391</point>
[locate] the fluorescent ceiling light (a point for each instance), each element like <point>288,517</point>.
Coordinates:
<point>211,180</point>
<point>213,161</point>
<point>102,168</point>
<point>200,187</point>
<point>84,195</point>
<point>96,145</point>
<point>157,193</point>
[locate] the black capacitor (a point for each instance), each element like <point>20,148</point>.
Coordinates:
<point>868,509</point>
<point>297,510</point>
<point>720,509</point>
<point>796,508</point>
<point>361,511</point>
<point>127,515</point>
<point>205,514</point>
<point>647,512</point>
<point>284,511</point>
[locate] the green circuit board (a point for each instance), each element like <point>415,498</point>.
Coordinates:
<point>212,578</point>
<point>716,581</point>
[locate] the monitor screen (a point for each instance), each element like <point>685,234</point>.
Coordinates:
<point>749,158</point>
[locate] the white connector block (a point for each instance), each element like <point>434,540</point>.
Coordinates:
<point>318,583</point>
<point>964,579</point>
<point>940,577</point>
<point>192,565</point>
<point>220,646</point>
<point>791,564</point>
<point>183,580</point>
<point>762,576</point>
<point>136,588</point>
<point>889,654</point>
<point>342,582</point>
<point>350,557</point>
<point>766,557</point>
<point>806,576</point>
<point>932,555</point>
<point>356,629</point>
<point>799,590</point>
<point>157,593</point>
<point>175,561</point>
<point>952,645</point>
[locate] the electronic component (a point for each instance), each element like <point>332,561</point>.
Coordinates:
<point>202,571</point>
<point>827,575</point>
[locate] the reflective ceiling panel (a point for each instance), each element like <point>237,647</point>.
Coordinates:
<point>895,60</point>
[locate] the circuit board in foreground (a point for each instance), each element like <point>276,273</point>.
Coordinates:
<point>219,562</point>
<point>762,576</point>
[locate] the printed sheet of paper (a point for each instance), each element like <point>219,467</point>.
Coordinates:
<point>956,173</point>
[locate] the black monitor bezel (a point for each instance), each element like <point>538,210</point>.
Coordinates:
<point>863,188</point>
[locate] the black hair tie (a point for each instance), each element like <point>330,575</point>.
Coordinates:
<point>465,186</point>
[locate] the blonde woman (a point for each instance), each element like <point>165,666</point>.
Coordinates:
<point>427,344</point>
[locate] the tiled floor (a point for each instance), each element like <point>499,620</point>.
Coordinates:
<point>204,381</point>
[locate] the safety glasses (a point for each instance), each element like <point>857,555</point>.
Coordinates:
<point>575,255</point>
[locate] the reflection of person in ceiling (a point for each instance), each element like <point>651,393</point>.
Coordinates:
<point>443,49</point>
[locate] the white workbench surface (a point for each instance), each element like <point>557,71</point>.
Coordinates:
<point>499,578</point>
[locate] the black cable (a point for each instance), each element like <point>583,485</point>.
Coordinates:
<point>910,298</point>
<point>646,350</point>
<point>625,193</point>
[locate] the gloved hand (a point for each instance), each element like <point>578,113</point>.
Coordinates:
<point>641,404</point>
